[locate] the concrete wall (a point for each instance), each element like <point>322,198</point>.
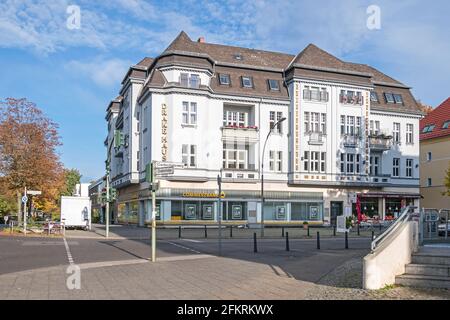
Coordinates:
<point>389,260</point>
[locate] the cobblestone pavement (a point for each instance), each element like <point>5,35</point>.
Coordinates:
<point>197,277</point>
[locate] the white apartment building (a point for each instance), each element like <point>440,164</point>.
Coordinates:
<point>350,130</point>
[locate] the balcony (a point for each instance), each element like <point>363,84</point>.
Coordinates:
<point>380,142</point>
<point>315,138</point>
<point>315,95</point>
<point>240,133</point>
<point>351,99</point>
<point>351,140</point>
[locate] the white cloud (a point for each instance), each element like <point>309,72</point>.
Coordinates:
<point>103,72</point>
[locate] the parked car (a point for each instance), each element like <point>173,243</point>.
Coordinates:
<point>441,228</point>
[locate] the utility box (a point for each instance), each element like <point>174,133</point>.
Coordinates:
<point>76,212</point>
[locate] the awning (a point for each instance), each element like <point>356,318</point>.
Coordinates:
<point>390,195</point>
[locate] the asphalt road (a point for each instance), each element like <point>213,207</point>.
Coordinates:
<point>303,261</point>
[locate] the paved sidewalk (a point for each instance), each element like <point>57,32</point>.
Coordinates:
<point>194,278</point>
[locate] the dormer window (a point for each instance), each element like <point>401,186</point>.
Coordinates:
<point>374,96</point>
<point>428,128</point>
<point>190,81</point>
<point>274,85</point>
<point>446,124</point>
<point>194,81</point>
<point>247,82</point>
<point>398,98</point>
<point>389,97</point>
<point>238,56</point>
<point>224,79</point>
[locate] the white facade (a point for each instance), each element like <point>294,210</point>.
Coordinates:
<point>328,149</point>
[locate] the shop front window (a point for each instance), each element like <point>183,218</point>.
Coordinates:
<point>393,207</point>
<point>234,210</point>
<point>306,211</point>
<point>275,211</point>
<point>369,208</point>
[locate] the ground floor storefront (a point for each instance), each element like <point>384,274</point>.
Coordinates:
<point>187,203</point>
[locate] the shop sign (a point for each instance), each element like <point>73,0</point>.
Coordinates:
<point>314,213</point>
<point>281,213</point>
<point>164,124</point>
<point>202,195</point>
<point>190,211</point>
<point>207,211</point>
<point>237,212</point>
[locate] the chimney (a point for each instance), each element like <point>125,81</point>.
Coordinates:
<point>201,40</point>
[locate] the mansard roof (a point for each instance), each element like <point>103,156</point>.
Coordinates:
<point>311,63</point>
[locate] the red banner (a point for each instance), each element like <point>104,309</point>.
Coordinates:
<point>358,208</point>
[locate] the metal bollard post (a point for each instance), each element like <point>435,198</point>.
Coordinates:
<point>206,232</point>
<point>282,232</point>
<point>357,228</point>
<point>307,231</point>
<point>255,247</point>
<point>373,235</point>
<point>179,231</point>
<point>346,239</point>
<point>318,240</point>
<point>334,231</point>
<point>231,231</point>
<point>287,241</point>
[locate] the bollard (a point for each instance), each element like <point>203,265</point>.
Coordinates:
<point>346,240</point>
<point>179,231</point>
<point>380,227</point>
<point>357,228</point>
<point>206,232</point>
<point>373,235</point>
<point>334,231</point>
<point>307,231</point>
<point>231,231</point>
<point>318,240</point>
<point>287,241</point>
<point>282,232</point>
<point>255,248</point>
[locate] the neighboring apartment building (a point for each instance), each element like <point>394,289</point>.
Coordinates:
<point>350,129</point>
<point>435,156</point>
<point>97,206</point>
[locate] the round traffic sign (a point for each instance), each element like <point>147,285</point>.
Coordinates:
<point>24,199</point>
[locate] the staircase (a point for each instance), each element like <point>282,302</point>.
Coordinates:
<point>429,268</point>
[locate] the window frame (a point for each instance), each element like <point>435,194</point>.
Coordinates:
<point>227,76</point>
<point>270,82</point>
<point>409,168</point>
<point>389,94</point>
<point>396,167</point>
<point>250,78</point>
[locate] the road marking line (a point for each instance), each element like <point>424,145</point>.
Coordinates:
<point>183,247</point>
<point>192,240</point>
<point>69,255</point>
<point>101,264</point>
<point>185,257</point>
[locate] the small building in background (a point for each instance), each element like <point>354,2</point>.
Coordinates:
<point>435,156</point>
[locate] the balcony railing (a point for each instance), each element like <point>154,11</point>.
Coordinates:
<point>238,133</point>
<point>351,140</point>
<point>380,142</point>
<point>351,99</point>
<point>315,138</point>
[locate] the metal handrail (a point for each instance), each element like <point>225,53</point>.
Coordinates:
<point>402,218</point>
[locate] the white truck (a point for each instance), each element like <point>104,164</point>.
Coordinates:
<point>76,212</point>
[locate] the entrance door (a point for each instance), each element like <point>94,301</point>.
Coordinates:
<point>336,210</point>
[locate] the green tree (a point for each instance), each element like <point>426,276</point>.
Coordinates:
<point>447,182</point>
<point>71,177</point>
<point>6,206</point>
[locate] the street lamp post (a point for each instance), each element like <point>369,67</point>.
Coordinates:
<point>262,173</point>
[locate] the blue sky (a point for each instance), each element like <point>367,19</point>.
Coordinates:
<point>73,74</point>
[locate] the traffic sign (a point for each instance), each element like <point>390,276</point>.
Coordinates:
<point>24,199</point>
<point>164,171</point>
<point>34,192</point>
<point>165,164</point>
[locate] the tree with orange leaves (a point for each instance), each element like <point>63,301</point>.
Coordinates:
<point>28,152</point>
